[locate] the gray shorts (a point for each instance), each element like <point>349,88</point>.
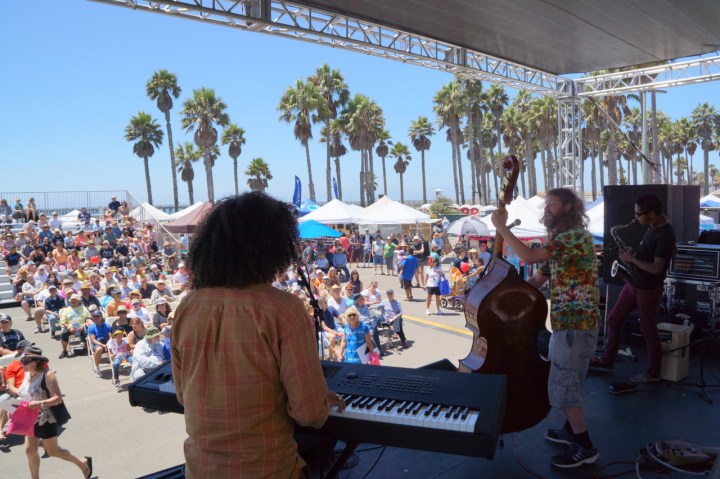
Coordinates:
<point>570,354</point>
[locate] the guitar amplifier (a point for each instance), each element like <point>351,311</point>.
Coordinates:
<point>698,262</point>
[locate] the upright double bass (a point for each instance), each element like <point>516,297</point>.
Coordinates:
<point>506,315</point>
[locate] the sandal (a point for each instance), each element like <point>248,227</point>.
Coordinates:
<point>88,463</point>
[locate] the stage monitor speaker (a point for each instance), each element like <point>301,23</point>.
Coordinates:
<point>681,205</point>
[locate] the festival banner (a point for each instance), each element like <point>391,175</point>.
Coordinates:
<point>297,196</point>
<point>335,188</point>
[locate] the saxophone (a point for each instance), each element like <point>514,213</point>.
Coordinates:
<point>619,267</point>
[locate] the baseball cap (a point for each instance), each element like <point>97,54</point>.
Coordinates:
<point>24,344</point>
<point>389,291</point>
<point>358,296</point>
<point>97,312</point>
<point>52,286</point>
<point>161,300</point>
<point>5,318</point>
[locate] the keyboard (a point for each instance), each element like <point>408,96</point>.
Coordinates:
<point>425,409</point>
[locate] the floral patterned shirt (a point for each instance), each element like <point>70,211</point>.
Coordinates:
<point>574,296</point>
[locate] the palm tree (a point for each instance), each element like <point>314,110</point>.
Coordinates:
<point>297,105</point>
<point>497,100</point>
<point>332,135</point>
<point>449,107</point>
<point>146,132</point>
<point>686,135</point>
<point>402,155</point>
<point>162,87</point>
<point>382,151</point>
<point>186,155</point>
<point>259,174</point>
<point>420,132</point>
<point>335,94</point>
<point>706,120</point>
<point>202,113</point>
<point>362,121</point>
<point>234,136</point>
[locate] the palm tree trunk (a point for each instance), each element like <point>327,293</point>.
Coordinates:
<point>384,176</point>
<point>689,167</point>
<point>235,176</point>
<point>612,159</point>
<point>172,160</point>
<point>208,174</point>
<point>328,170</point>
<point>311,185</point>
<point>458,155</point>
<point>455,176</point>
<point>601,168</point>
<point>402,189</point>
<point>191,193</point>
<point>706,166</point>
<point>337,173</point>
<point>593,178</point>
<point>422,163</point>
<point>362,178</point>
<point>546,174</point>
<point>147,179</point>
<point>371,179</point>
<point>530,162</point>
<point>473,182</point>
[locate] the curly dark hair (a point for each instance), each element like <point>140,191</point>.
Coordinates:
<point>574,218</point>
<point>649,203</point>
<point>244,240</point>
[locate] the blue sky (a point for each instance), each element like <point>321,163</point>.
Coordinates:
<point>74,72</point>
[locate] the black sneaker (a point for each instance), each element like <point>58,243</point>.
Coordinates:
<point>559,436</point>
<point>620,388</point>
<point>64,354</point>
<point>575,456</point>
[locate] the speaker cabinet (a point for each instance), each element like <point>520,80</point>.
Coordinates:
<point>681,205</point>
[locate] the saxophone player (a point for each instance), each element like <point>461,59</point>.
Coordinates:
<point>650,263</point>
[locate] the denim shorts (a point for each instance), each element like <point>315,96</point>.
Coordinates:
<point>570,354</point>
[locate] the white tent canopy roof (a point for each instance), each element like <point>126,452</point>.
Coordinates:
<point>185,211</point>
<point>386,211</point>
<point>146,212</point>
<point>336,212</point>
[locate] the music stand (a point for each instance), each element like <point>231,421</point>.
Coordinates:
<point>712,334</point>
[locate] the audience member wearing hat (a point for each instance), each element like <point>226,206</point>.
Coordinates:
<point>72,321</point>
<point>118,352</point>
<point>162,290</point>
<point>393,315</point>
<point>148,354</point>
<point>10,337</point>
<point>99,335</point>
<point>45,426</point>
<point>162,311</point>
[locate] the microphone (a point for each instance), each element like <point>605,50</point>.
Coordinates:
<point>514,224</point>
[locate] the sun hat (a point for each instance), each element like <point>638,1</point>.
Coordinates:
<point>33,357</point>
<point>118,331</point>
<point>121,308</point>
<point>152,332</point>
<point>75,297</point>
<point>161,300</point>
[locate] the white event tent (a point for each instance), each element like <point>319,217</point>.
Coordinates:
<point>386,211</point>
<point>147,212</point>
<point>185,211</point>
<point>529,216</point>
<point>336,212</point>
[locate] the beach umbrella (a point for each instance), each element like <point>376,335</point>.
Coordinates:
<point>312,229</point>
<point>469,225</point>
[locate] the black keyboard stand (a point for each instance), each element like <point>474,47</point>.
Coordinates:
<point>340,461</point>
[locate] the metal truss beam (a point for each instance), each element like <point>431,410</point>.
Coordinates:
<point>300,22</point>
<point>570,133</point>
<point>651,78</point>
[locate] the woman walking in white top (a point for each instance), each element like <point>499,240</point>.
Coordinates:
<point>433,275</point>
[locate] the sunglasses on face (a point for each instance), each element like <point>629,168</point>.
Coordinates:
<point>352,315</point>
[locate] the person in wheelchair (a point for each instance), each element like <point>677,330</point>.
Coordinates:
<point>393,315</point>
<point>72,321</point>
<point>99,335</point>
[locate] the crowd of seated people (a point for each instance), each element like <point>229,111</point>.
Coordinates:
<point>105,281</point>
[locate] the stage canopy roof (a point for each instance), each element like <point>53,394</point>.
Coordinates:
<point>555,36</point>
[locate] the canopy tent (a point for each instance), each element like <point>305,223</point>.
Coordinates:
<point>308,206</point>
<point>312,229</point>
<point>386,211</point>
<point>710,201</point>
<point>189,222</point>
<point>184,211</point>
<point>147,212</point>
<point>70,216</point>
<point>529,216</point>
<point>336,212</point>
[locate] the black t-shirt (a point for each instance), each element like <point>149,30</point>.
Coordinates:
<point>13,259</point>
<point>116,325</point>
<point>10,339</point>
<point>416,250</point>
<point>329,319</point>
<point>657,243</point>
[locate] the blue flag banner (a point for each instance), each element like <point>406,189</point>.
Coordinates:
<point>335,188</point>
<point>297,195</point>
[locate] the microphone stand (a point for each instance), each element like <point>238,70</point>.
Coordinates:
<point>304,274</point>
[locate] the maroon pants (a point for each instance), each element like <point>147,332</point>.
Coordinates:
<point>647,301</point>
